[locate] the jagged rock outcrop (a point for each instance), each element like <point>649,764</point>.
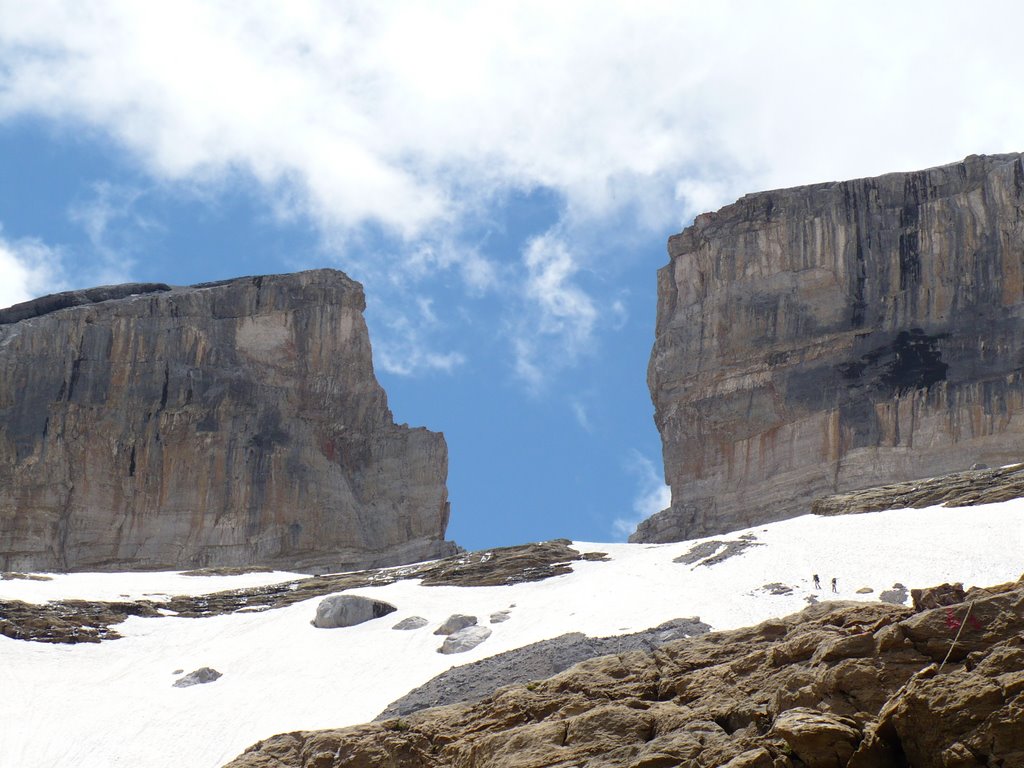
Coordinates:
<point>840,685</point>
<point>838,336</point>
<point>228,423</point>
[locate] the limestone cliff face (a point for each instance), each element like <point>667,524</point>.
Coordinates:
<point>837,336</point>
<point>223,424</point>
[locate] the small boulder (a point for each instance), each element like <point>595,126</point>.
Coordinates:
<point>200,676</point>
<point>865,591</point>
<point>349,610</point>
<point>938,597</point>
<point>500,616</point>
<point>819,739</point>
<point>454,623</point>
<point>412,622</point>
<point>464,639</point>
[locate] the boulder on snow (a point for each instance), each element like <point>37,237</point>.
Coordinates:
<point>464,639</point>
<point>412,622</point>
<point>198,677</point>
<point>454,623</point>
<point>499,616</point>
<point>349,610</point>
<point>895,596</point>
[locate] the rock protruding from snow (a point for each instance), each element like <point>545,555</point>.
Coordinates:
<point>499,616</point>
<point>454,623</point>
<point>536,661</point>
<point>412,622</point>
<point>465,639</point>
<point>198,677</point>
<point>896,596</point>
<point>349,610</point>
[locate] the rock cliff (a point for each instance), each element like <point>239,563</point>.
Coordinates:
<point>833,337</point>
<point>229,423</point>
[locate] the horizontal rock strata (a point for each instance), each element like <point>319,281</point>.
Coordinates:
<point>224,424</point>
<point>81,621</point>
<point>828,338</point>
<point>959,489</point>
<point>840,685</point>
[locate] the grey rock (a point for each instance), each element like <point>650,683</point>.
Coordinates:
<point>777,588</point>
<point>500,616</point>
<point>865,591</point>
<point>454,623</point>
<point>412,622</point>
<point>533,662</point>
<point>896,596</point>
<point>198,677</point>
<point>465,639</point>
<point>833,337</point>
<point>348,610</point>
<point>226,424</point>
<point>714,552</point>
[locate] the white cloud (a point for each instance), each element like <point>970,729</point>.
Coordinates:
<point>652,495</point>
<point>405,114</point>
<point>558,312</point>
<point>103,218</point>
<point>415,118</point>
<point>407,349</point>
<point>581,414</point>
<point>28,269</point>
<point>427,259</point>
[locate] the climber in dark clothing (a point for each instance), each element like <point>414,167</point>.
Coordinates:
<point>817,582</point>
<point>834,584</point>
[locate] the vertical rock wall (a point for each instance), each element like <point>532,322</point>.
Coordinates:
<point>231,423</point>
<point>837,336</point>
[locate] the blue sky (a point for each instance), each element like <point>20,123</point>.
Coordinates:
<point>501,177</point>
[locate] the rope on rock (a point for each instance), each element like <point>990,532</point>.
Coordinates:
<point>962,625</point>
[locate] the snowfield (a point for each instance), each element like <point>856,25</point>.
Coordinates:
<point>112,703</point>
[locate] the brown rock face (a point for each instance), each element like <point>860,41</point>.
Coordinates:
<point>841,685</point>
<point>223,424</point>
<point>838,336</point>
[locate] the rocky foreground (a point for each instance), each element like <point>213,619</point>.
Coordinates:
<point>840,685</point>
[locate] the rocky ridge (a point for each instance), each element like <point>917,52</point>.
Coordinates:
<point>82,621</point>
<point>223,424</point>
<point>827,338</point>
<point>840,685</point>
<point>958,489</point>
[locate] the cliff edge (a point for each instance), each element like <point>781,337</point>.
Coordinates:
<point>828,338</point>
<point>229,423</point>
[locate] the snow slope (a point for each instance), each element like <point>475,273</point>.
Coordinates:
<point>112,704</point>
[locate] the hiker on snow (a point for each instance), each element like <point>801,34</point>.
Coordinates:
<point>817,582</point>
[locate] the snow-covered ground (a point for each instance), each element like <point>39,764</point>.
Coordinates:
<point>112,704</point>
